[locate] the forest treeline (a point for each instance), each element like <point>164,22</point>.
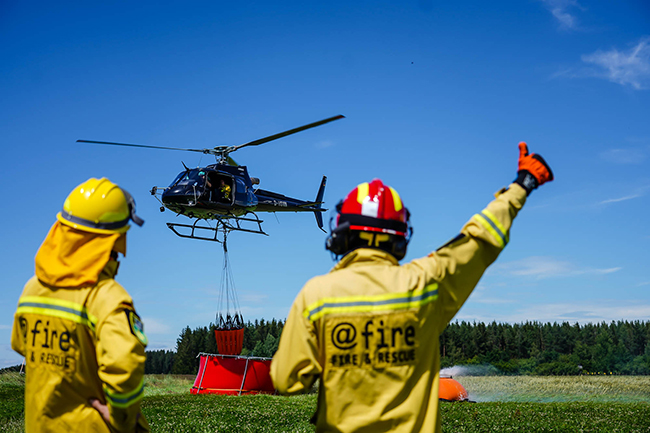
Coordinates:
<point>550,348</point>
<point>528,348</point>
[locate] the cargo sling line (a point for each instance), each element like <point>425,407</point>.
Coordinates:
<point>228,301</point>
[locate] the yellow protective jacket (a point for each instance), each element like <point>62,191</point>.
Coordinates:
<point>225,191</point>
<point>80,343</point>
<point>369,329</point>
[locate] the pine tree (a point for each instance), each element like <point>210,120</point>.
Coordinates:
<point>271,345</point>
<point>183,361</point>
<point>259,350</point>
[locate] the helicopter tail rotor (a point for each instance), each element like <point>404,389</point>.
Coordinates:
<point>319,201</point>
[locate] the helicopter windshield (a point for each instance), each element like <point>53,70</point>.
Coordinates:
<point>190,177</point>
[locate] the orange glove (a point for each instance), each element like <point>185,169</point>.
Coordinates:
<point>533,170</point>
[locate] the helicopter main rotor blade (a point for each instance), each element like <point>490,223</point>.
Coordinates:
<point>143,145</point>
<point>285,133</point>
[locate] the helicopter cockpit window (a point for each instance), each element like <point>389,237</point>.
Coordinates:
<point>191,177</point>
<point>180,175</point>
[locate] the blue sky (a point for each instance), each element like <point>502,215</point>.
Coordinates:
<point>436,97</point>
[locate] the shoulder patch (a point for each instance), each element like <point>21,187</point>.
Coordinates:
<point>136,326</point>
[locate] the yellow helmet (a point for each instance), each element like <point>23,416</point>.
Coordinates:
<point>99,206</point>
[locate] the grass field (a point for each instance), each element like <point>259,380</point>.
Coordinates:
<point>519,403</point>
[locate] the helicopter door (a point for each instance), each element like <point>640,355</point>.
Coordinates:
<point>222,189</point>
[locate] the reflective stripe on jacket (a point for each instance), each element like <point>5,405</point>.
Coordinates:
<point>369,329</point>
<point>80,343</point>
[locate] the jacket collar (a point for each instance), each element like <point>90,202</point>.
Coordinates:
<point>110,270</point>
<point>365,257</point>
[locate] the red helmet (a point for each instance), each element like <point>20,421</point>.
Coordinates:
<point>374,207</point>
<point>371,207</point>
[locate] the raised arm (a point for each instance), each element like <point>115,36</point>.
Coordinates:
<point>458,265</point>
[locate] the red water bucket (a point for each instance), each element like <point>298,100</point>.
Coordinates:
<point>229,341</point>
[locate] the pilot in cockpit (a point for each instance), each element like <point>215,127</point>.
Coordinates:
<point>204,179</point>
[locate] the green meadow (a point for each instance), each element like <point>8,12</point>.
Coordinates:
<point>504,403</point>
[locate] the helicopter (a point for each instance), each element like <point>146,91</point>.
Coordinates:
<point>225,193</point>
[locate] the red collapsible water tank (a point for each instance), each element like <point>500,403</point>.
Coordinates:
<point>233,375</point>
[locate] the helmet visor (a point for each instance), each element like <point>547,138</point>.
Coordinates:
<point>131,202</point>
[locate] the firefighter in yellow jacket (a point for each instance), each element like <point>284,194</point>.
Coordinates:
<point>369,329</point>
<point>77,328</point>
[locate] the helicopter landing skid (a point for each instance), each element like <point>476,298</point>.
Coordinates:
<point>224,226</point>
